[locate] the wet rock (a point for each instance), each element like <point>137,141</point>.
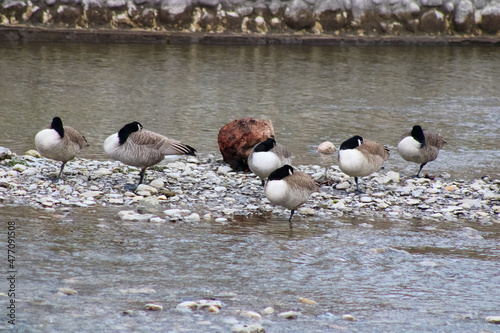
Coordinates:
<point>249,314</point>
<point>432,21</point>
<point>267,311</point>
<point>176,13</point>
<point>130,215</point>
<point>298,15</point>
<point>237,138</point>
<point>5,154</point>
<point>493,319</point>
<point>187,306</point>
<point>144,290</point>
<point>326,148</point>
<point>67,291</point>
<point>348,317</point>
<point>253,328</point>
<point>192,218</point>
<point>30,152</point>
<point>153,307</point>
<point>307,301</point>
<point>490,21</point>
<point>289,314</point>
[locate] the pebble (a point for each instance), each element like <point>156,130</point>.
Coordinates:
<point>67,291</point>
<point>349,317</point>
<point>493,319</point>
<point>203,189</point>
<point>153,307</point>
<point>267,311</point>
<point>308,301</point>
<point>249,314</point>
<point>289,314</point>
<point>253,328</point>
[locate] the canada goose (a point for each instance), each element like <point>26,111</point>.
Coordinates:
<point>420,146</point>
<point>289,188</point>
<point>135,146</point>
<point>359,158</point>
<point>60,143</point>
<point>266,157</point>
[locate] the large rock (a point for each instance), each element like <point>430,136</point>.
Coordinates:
<point>490,22</point>
<point>237,139</point>
<point>298,15</point>
<point>176,13</point>
<point>432,21</point>
<point>464,16</point>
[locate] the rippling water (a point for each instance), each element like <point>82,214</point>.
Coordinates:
<point>425,279</point>
<point>411,276</point>
<point>311,93</point>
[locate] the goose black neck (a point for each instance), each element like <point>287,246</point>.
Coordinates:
<point>128,129</point>
<point>265,145</point>
<point>57,126</point>
<point>351,143</point>
<point>281,173</point>
<point>418,134</point>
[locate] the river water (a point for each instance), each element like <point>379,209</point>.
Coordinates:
<point>412,276</point>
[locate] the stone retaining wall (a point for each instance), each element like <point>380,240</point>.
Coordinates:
<point>330,17</point>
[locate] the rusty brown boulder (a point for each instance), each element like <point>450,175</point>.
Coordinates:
<point>237,139</point>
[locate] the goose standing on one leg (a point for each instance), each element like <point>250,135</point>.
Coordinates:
<point>420,146</point>
<point>289,188</point>
<point>60,143</point>
<point>359,158</point>
<point>266,157</point>
<point>135,146</point>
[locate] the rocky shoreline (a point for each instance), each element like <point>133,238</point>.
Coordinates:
<point>334,17</point>
<point>205,188</point>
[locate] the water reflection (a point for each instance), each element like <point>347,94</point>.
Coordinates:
<point>425,275</point>
<point>311,93</point>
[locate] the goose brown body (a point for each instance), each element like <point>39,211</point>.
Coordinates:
<point>360,158</point>
<point>59,143</point>
<point>420,146</point>
<point>289,188</point>
<point>134,146</point>
<point>268,156</point>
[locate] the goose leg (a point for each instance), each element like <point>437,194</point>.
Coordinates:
<point>291,215</point>
<point>357,185</point>
<point>421,166</point>
<point>141,176</point>
<point>263,182</point>
<point>132,187</point>
<point>55,180</point>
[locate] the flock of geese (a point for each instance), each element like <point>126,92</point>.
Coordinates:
<point>270,161</point>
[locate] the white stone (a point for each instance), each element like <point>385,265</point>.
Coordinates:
<point>307,211</point>
<point>146,188</point>
<point>224,169</point>
<point>130,215</point>
<point>102,172</point>
<point>157,183</point>
<point>343,186</point>
<point>91,194</point>
<point>192,218</point>
<point>251,328</point>
<point>289,314</point>
<point>172,212</point>
<point>250,314</point>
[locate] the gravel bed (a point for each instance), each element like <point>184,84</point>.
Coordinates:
<point>205,188</point>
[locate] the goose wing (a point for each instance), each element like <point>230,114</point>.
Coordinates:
<point>160,143</point>
<point>375,149</point>
<point>434,139</point>
<point>76,137</point>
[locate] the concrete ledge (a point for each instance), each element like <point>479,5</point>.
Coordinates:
<point>32,34</point>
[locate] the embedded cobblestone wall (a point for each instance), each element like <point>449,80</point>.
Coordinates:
<point>331,17</point>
